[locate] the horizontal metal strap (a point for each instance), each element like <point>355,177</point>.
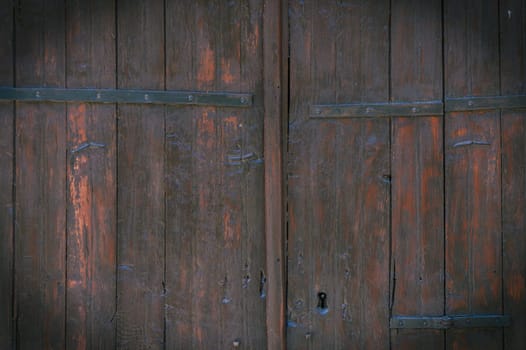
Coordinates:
<point>446,322</point>
<point>417,108</point>
<point>200,98</point>
<point>366,110</point>
<point>485,102</point>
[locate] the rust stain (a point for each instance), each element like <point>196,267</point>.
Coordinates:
<point>232,121</point>
<point>516,287</point>
<point>199,334</point>
<point>460,132</point>
<point>229,231</point>
<point>77,117</point>
<point>231,228</point>
<point>254,42</point>
<point>206,71</point>
<point>227,77</point>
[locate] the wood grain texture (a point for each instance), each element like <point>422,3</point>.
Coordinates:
<point>92,185</point>
<point>473,225</point>
<point>417,264</point>
<point>180,180</point>
<point>214,178</point>
<point>471,48</point>
<point>338,198</point>
<point>472,178</point>
<point>514,222</point>
<point>275,39</point>
<point>513,124</point>
<point>417,227</point>
<point>40,230</point>
<point>6,179</point>
<point>140,167</point>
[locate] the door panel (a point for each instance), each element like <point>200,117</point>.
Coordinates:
<point>338,178</point>
<point>442,220</point>
<point>417,187</point>
<point>472,172</point>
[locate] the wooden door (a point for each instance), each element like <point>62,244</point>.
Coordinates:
<point>406,225</point>
<point>159,191</point>
<point>131,175</point>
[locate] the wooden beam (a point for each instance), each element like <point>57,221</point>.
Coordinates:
<point>275,86</point>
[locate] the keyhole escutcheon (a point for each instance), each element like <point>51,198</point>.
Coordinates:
<point>323,309</point>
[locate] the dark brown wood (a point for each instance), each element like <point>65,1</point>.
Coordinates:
<point>417,222</point>
<point>514,225</point>
<point>162,222</point>
<point>6,179</point>
<point>140,154</point>
<point>472,178</point>
<point>40,230</point>
<point>417,226</point>
<point>275,49</point>
<point>513,128</point>
<point>182,332</point>
<point>214,175</point>
<point>92,184</point>
<point>338,172</point>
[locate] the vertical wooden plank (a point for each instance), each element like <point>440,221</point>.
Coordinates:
<point>91,205</point>
<point>256,275</point>
<point>338,198</point>
<point>513,156</point>
<point>40,229</point>
<point>180,179</point>
<point>472,172</point>
<point>140,166</point>
<point>6,178</point>
<point>417,172</point>
<point>513,124</point>
<point>274,93</point>
<point>214,180</point>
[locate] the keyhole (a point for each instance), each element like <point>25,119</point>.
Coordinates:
<point>322,303</point>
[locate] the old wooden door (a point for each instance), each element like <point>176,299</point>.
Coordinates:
<point>159,191</point>
<point>131,217</point>
<point>406,193</point>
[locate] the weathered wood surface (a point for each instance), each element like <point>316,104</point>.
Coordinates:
<point>417,223</point>
<point>6,179</point>
<point>214,174</point>
<point>139,226</point>
<point>140,186</point>
<point>338,243</point>
<point>472,172</point>
<point>91,176</point>
<point>275,95</point>
<point>513,125</point>
<point>40,230</point>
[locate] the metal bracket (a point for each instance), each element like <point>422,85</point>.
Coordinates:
<point>199,98</point>
<point>417,108</point>
<point>367,110</point>
<point>446,322</point>
<point>485,102</point>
